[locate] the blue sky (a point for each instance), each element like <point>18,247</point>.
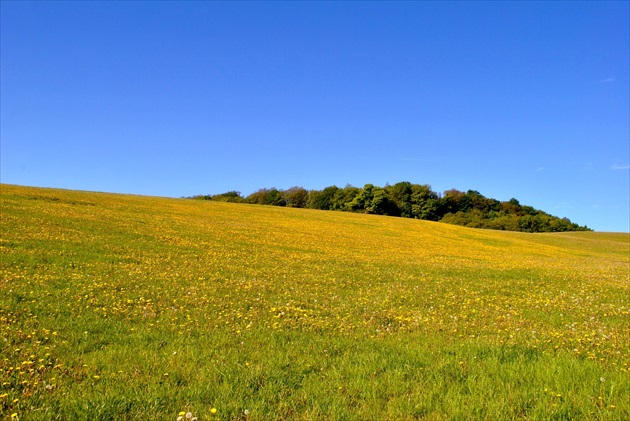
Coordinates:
<point>514,99</point>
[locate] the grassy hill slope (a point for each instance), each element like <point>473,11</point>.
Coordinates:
<point>125,307</point>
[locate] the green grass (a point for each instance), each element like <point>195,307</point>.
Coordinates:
<point>127,307</point>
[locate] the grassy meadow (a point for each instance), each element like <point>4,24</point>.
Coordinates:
<point>120,307</point>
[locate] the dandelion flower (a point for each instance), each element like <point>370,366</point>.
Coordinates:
<point>213,411</point>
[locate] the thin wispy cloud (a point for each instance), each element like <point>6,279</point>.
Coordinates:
<point>600,206</point>
<point>412,159</point>
<point>608,80</point>
<point>539,169</point>
<point>620,167</point>
<point>564,205</point>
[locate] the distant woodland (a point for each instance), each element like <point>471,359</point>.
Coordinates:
<point>408,200</point>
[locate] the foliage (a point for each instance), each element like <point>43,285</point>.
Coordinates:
<point>324,200</point>
<point>374,200</point>
<point>408,200</point>
<point>295,197</point>
<point>231,196</point>
<point>263,196</point>
<point>129,307</point>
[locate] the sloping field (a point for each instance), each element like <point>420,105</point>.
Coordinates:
<point>130,307</point>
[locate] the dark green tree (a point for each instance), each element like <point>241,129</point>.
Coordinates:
<point>412,200</point>
<point>295,197</point>
<point>450,202</point>
<point>400,193</point>
<point>363,200</point>
<point>263,196</point>
<point>324,199</point>
<point>344,197</point>
<point>424,202</point>
<point>231,196</point>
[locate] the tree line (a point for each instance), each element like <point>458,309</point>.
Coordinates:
<point>408,200</point>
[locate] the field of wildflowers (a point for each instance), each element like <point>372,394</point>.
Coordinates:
<point>131,307</point>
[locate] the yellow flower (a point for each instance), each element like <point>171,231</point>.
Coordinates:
<point>213,410</point>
